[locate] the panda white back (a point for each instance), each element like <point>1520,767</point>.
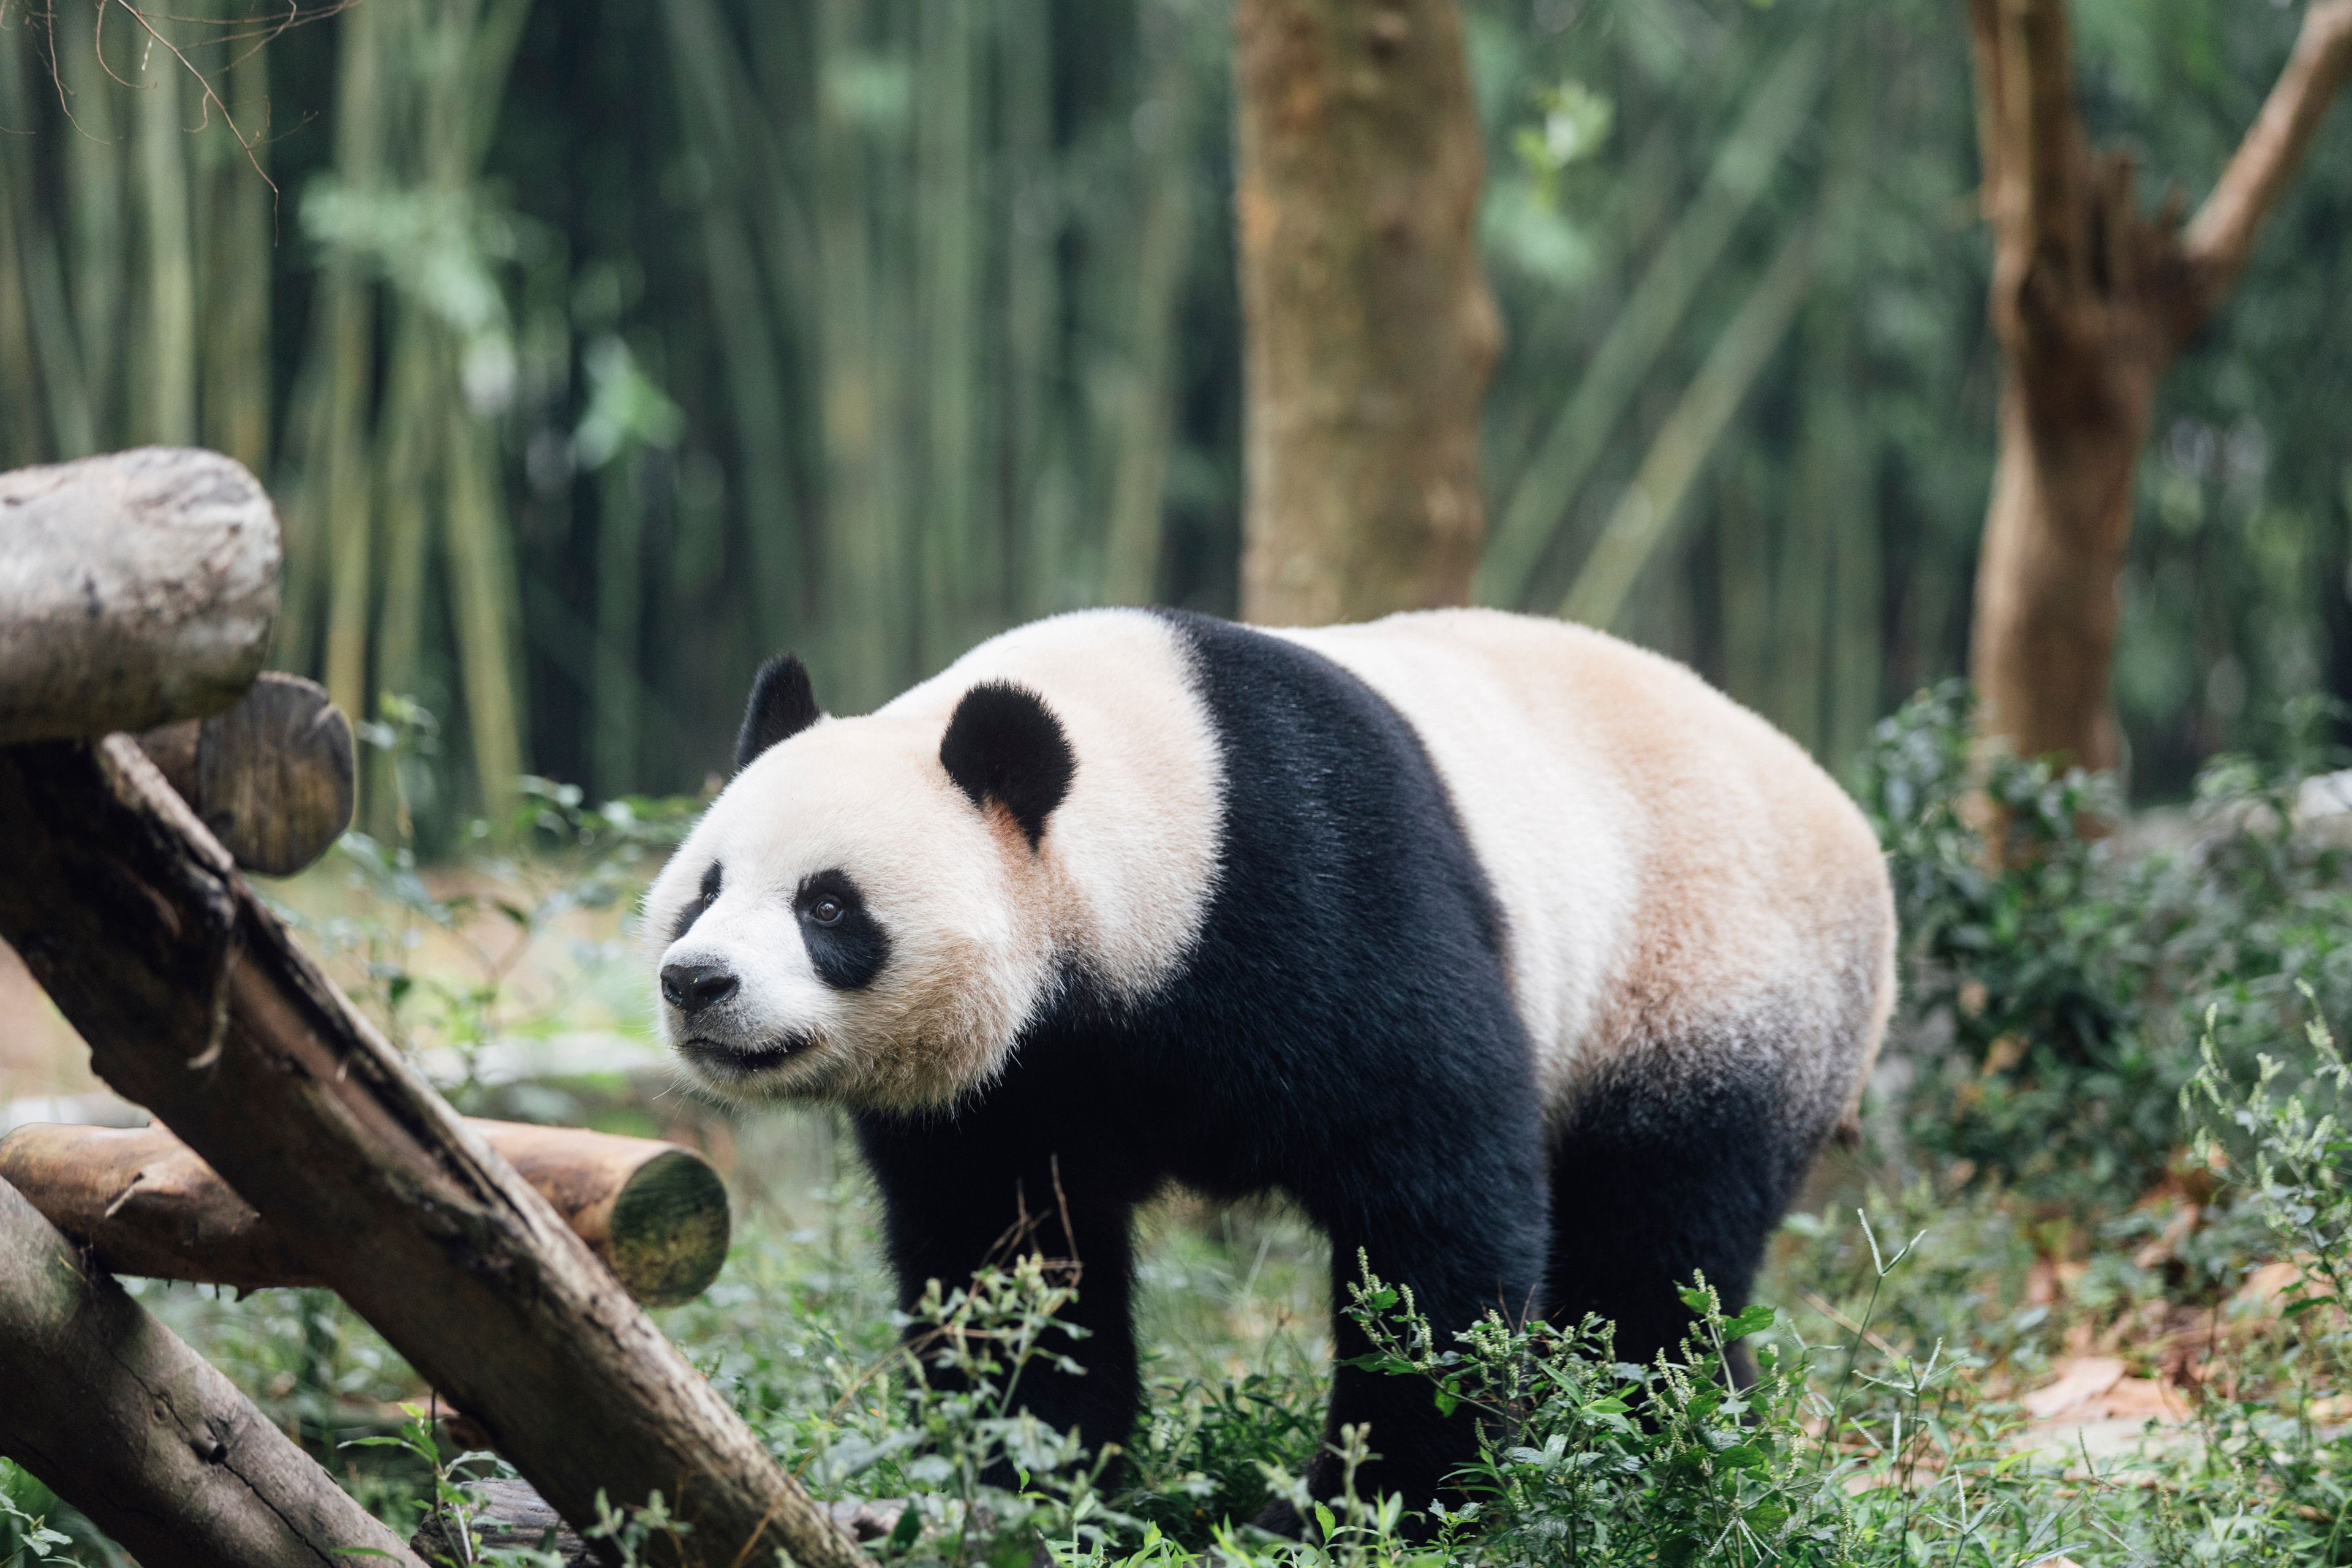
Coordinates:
<point>1672,868</point>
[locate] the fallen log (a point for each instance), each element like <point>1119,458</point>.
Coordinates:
<point>135,589</point>
<point>116,1414</point>
<point>145,1204</point>
<point>274,777</point>
<point>197,1005</point>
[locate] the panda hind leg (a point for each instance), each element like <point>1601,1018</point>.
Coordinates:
<point>1658,1176</point>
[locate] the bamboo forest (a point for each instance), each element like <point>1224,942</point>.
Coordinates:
<point>596,351</point>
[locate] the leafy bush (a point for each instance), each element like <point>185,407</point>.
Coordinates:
<point>2053,989</point>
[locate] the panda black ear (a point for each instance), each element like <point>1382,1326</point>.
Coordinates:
<point>782,704</point>
<point>1003,743</point>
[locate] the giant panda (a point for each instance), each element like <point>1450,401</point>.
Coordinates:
<point>1529,966</point>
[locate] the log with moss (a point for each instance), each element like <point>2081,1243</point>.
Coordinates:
<point>146,1203</point>
<point>122,1419</point>
<point>197,1005</point>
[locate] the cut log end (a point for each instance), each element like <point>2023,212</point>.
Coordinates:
<point>669,1232</point>
<point>274,777</point>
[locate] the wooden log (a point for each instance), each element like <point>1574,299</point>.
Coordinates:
<point>274,777</point>
<point>197,1005</point>
<point>135,589</point>
<point>122,1419</point>
<point>652,1213</point>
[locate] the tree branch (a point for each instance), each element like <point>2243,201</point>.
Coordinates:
<point>2221,235</point>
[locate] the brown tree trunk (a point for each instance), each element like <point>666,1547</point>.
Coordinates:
<point>1369,333</point>
<point>2091,299</point>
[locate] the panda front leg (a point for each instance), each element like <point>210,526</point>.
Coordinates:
<point>949,1211</point>
<point>1468,1237</point>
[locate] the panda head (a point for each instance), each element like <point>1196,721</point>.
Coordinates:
<point>863,913</point>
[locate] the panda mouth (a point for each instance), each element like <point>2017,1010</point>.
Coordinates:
<point>721,1060</point>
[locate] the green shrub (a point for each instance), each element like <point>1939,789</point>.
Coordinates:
<point>2053,993</point>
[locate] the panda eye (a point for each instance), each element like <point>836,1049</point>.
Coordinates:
<point>825,912</point>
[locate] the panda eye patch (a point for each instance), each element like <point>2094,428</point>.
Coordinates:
<point>846,943</point>
<point>704,899</point>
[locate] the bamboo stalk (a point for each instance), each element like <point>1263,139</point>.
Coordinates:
<point>1644,519</point>
<point>620,607</point>
<point>20,434</point>
<point>407,443</point>
<point>1780,106</point>
<point>959,570</point>
<point>860,568</point>
<point>482,592</point>
<point>1031,224</point>
<point>334,536</point>
<point>1145,433</point>
<point>167,389</point>
<point>717,108</point>
<point>236,298</point>
<point>94,156</point>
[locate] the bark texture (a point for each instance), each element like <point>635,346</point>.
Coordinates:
<point>135,589</point>
<point>146,1203</point>
<point>197,1005</point>
<point>122,1419</point>
<point>275,777</point>
<point>1369,331</point>
<point>2091,299</point>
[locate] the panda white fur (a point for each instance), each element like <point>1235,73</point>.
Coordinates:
<point>1523,961</point>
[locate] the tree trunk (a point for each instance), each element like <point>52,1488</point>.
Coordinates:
<point>122,1419</point>
<point>2092,300</point>
<point>1369,333</point>
<point>197,1005</point>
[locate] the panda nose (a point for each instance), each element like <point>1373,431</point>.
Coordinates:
<point>691,987</point>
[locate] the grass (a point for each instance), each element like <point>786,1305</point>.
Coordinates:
<point>2104,1159</point>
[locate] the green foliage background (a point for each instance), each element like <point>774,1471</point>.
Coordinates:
<point>595,349</point>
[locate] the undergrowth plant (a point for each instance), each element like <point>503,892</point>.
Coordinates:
<point>2056,969</point>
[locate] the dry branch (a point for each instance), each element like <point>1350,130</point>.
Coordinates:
<point>2221,235</point>
<point>135,589</point>
<point>197,1005</point>
<point>274,777</point>
<point>655,1214</point>
<point>129,1424</point>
